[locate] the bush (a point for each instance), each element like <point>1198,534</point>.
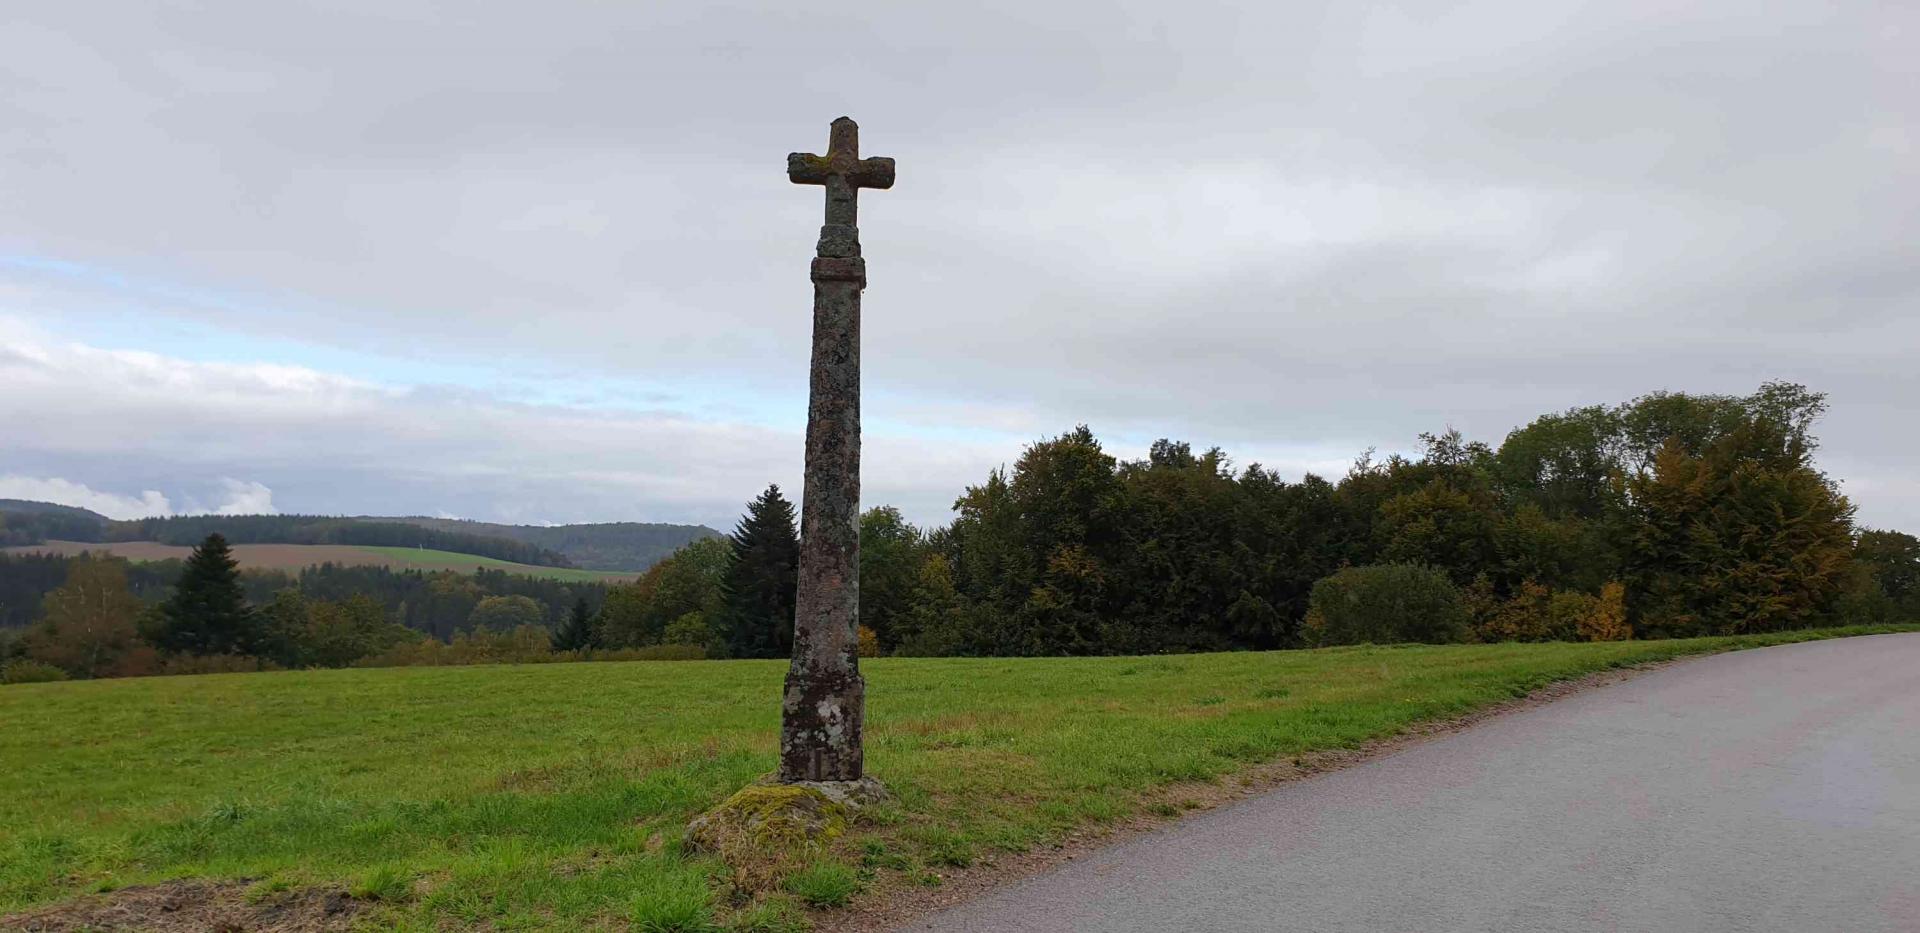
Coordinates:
<point>216,664</point>
<point>1608,620</point>
<point>24,671</point>
<point>1570,614</point>
<point>1386,603</point>
<point>1528,615</point>
<point>654,653</point>
<point>520,646</point>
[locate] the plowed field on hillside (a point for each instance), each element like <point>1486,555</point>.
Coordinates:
<point>293,557</point>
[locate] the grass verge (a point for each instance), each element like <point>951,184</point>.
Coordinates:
<point>553,796</point>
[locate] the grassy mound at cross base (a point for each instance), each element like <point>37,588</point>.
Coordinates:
<point>553,796</point>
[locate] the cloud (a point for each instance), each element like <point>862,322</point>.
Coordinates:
<point>345,446</point>
<point>245,498</point>
<point>148,504</point>
<point>237,498</point>
<point>1293,229</point>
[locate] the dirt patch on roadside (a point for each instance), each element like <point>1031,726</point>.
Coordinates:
<point>193,907</point>
<point>894,901</point>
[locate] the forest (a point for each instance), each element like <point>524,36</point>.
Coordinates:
<point>1670,515</point>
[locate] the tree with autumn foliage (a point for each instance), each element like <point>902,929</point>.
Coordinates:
<point>1740,535</point>
<point>88,626</point>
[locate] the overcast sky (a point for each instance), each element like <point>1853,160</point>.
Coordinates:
<point>540,262</point>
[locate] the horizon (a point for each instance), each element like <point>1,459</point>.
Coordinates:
<point>334,261</point>
<point>364,517</point>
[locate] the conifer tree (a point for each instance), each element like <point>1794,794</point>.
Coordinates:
<point>761,581</point>
<point>208,612</point>
<point>577,633</point>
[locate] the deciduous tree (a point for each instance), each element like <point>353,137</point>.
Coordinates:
<point>88,625</point>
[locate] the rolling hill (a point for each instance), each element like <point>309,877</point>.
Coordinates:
<point>294,557</point>
<point>589,551</point>
<point>598,546</point>
<point>30,507</point>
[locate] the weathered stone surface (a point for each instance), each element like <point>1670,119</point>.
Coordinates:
<point>839,241</point>
<point>825,700</point>
<point>829,269</point>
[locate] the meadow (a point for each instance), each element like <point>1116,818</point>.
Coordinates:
<point>553,796</point>
<point>295,557</point>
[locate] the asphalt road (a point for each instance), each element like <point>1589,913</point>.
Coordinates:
<point>1767,790</point>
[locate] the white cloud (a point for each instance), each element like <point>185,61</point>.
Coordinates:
<point>1296,231</point>
<point>344,446</point>
<point>148,504</point>
<point>245,498</point>
<point>237,497</point>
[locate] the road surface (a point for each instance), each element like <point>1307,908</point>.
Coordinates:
<point>1768,790</point>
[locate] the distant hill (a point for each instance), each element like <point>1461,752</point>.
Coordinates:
<point>26,522</point>
<point>328,529</point>
<point>628,546</point>
<point>30,507</point>
<point>292,558</point>
<point>622,547</point>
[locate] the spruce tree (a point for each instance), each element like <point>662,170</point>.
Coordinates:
<point>761,580</point>
<point>208,612</point>
<point>577,634</point>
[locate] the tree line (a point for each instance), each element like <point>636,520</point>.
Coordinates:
<point>435,602</point>
<point>104,618</point>
<point>1670,515</point>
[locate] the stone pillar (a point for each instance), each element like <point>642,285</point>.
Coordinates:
<point>825,702</point>
<point>826,696</point>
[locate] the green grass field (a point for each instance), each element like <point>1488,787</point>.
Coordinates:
<point>552,796</point>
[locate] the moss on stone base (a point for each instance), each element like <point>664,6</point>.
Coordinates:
<point>765,829</point>
<point>774,816</point>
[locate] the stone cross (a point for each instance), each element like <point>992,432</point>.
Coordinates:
<point>826,697</point>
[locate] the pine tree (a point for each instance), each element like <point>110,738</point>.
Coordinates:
<point>762,579</point>
<point>577,634</point>
<point>208,611</point>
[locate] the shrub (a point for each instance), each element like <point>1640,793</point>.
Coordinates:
<point>689,629</point>
<point>655,653</point>
<point>1527,615</point>
<point>869,643</point>
<point>1386,603</point>
<point>1569,611</point>
<point>24,671</point>
<point>512,648</point>
<point>216,664</point>
<point>1608,620</point>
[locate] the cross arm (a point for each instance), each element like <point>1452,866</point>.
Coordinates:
<point>805,168</point>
